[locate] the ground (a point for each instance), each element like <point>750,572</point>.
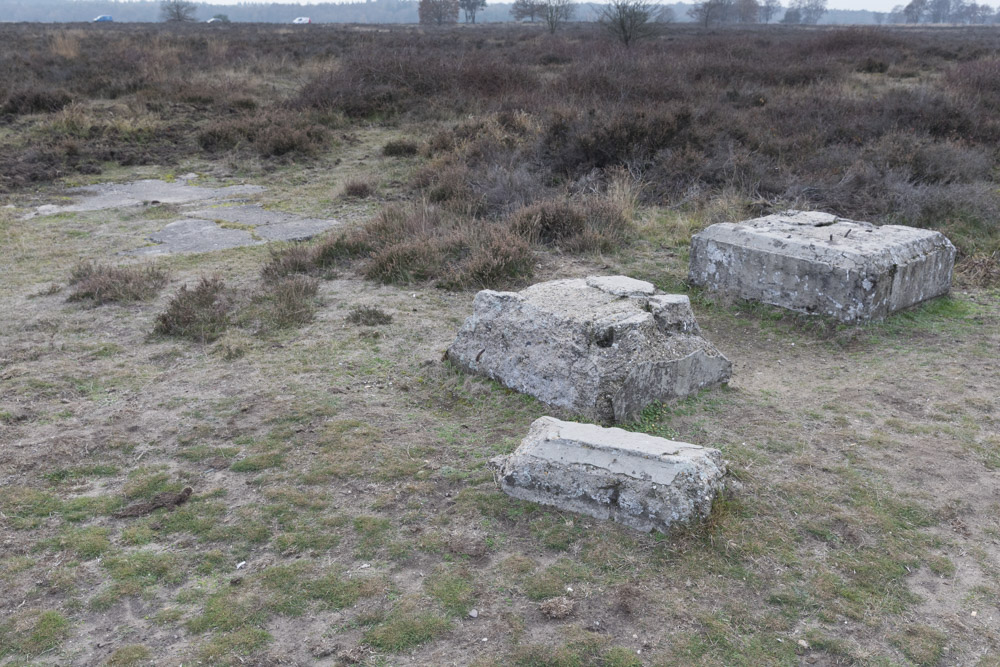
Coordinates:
<point>343,510</point>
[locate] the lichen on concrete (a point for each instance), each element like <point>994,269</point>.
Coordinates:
<point>601,347</point>
<point>638,480</point>
<point>815,262</point>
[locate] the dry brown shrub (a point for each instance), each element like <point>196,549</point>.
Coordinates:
<point>102,283</point>
<point>201,313</point>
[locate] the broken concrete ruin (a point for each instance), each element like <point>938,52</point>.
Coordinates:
<point>637,480</point>
<point>600,347</point>
<point>815,262</point>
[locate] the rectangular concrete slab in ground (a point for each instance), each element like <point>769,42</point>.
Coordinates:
<point>638,480</point>
<point>818,263</point>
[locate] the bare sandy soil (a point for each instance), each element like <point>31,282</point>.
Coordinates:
<point>342,509</point>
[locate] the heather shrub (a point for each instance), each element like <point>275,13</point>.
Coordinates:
<point>201,313</point>
<point>400,148</point>
<point>289,261</point>
<point>371,316</point>
<point>102,284</point>
<point>281,303</point>
<point>36,101</point>
<point>358,189</point>
<point>549,222</point>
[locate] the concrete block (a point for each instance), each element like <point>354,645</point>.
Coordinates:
<point>818,263</point>
<point>638,480</point>
<point>601,347</point>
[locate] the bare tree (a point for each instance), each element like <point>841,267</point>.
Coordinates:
<point>629,20</point>
<point>438,12</point>
<point>526,9</point>
<point>711,12</point>
<point>938,11</point>
<point>557,12</point>
<point>665,15</point>
<point>747,11</point>
<point>879,17</point>
<point>915,10</point>
<point>811,10</point>
<point>177,11</point>
<point>768,8</point>
<point>470,7</point>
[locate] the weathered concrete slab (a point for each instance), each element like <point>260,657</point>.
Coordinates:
<point>637,480</point>
<point>817,263</point>
<point>195,236</point>
<point>601,347</point>
<point>136,193</point>
<point>268,224</point>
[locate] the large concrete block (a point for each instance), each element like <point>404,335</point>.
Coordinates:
<point>638,480</point>
<point>600,347</point>
<point>817,263</point>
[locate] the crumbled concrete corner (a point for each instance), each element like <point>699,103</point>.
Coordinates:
<point>815,262</point>
<point>601,347</point>
<point>638,480</point>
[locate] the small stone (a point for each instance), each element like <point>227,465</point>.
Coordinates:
<point>804,644</point>
<point>473,613</point>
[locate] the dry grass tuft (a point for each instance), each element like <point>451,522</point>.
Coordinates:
<point>102,283</point>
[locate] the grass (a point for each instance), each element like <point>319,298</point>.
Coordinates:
<point>346,475</point>
<point>32,633</point>
<point>405,629</point>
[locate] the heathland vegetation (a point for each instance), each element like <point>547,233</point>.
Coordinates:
<point>257,455</point>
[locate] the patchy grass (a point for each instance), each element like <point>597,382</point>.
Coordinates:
<point>31,633</point>
<point>404,629</point>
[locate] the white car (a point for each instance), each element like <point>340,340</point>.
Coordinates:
<point>303,19</point>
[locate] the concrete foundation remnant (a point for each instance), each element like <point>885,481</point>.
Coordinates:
<point>638,480</point>
<point>601,347</point>
<point>815,262</point>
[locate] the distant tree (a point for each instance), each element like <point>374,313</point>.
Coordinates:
<point>470,7</point>
<point>177,11</point>
<point>812,10</point>
<point>897,15</point>
<point>768,9</point>
<point>557,12</point>
<point>939,11</point>
<point>628,20</point>
<point>665,15</point>
<point>915,10</point>
<point>793,16</point>
<point>746,11</point>
<point>878,17</point>
<point>711,12</point>
<point>438,12</point>
<point>526,9</point>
